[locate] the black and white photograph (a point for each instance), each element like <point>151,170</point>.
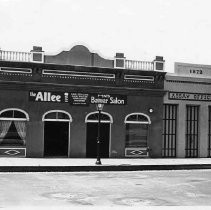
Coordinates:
<point>105,104</point>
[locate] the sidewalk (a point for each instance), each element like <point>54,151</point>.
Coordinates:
<point>110,164</point>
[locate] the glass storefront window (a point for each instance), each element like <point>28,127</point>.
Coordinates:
<point>136,130</point>
<point>13,128</point>
<point>136,135</point>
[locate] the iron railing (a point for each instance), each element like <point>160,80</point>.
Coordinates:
<point>169,130</point>
<point>192,131</point>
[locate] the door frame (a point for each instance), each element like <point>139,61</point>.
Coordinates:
<point>57,120</point>
<point>102,121</point>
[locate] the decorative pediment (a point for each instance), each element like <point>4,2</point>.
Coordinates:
<point>79,55</point>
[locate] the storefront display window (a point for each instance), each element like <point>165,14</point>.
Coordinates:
<point>136,130</point>
<point>13,128</point>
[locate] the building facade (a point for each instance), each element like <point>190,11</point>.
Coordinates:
<point>48,105</point>
<point>187,112</point>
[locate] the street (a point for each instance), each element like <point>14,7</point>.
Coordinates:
<point>91,189</point>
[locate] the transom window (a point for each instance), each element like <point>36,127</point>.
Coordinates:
<point>57,115</point>
<point>104,117</point>
<point>13,114</point>
<point>137,118</point>
<point>95,117</point>
<point>137,125</point>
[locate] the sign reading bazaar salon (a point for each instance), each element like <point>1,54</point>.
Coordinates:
<point>75,98</point>
<point>108,99</point>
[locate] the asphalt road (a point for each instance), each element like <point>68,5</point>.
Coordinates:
<point>120,189</point>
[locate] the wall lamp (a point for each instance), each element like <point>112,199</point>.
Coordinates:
<point>150,110</point>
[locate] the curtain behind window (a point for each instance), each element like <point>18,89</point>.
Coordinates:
<point>4,127</point>
<point>12,133</point>
<point>21,128</point>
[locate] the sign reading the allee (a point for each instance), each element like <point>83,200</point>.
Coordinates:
<point>189,96</point>
<point>75,98</point>
<point>44,96</point>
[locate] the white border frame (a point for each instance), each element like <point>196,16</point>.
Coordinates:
<point>78,74</point>
<point>139,78</point>
<point>115,62</point>
<point>95,121</point>
<point>13,148</point>
<point>138,122</point>
<point>57,120</point>
<point>136,148</point>
<point>163,62</point>
<point>17,119</point>
<point>18,70</point>
<point>37,52</point>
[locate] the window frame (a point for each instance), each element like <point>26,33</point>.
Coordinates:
<point>13,118</point>
<point>137,122</point>
<point>57,119</point>
<point>95,121</point>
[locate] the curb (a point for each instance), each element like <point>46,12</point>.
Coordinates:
<point>102,168</point>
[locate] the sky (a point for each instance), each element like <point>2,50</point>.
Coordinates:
<point>178,30</point>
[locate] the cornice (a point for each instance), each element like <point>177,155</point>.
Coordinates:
<point>25,86</point>
<point>189,82</point>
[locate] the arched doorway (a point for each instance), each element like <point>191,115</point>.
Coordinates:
<point>136,139</point>
<point>56,133</point>
<point>13,132</point>
<point>92,132</point>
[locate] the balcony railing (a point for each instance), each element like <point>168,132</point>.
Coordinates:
<point>15,56</point>
<point>139,65</point>
<point>37,55</point>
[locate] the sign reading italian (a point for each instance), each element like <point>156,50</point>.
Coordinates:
<point>75,98</point>
<point>189,96</point>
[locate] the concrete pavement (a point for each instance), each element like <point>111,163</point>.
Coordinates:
<point>110,164</point>
<point>106,189</point>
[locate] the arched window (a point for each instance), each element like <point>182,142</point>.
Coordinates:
<point>137,125</point>
<point>104,117</point>
<point>13,127</point>
<point>57,115</point>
